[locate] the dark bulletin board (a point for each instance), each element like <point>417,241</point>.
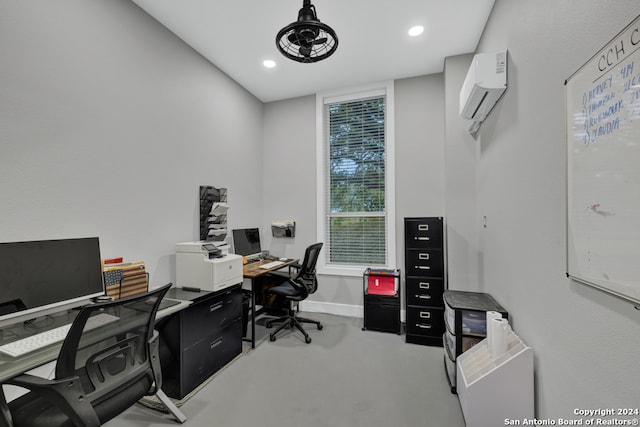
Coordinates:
<point>603,167</point>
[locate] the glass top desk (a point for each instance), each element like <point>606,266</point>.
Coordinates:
<point>13,366</point>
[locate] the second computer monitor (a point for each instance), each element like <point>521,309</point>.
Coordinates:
<point>246,242</point>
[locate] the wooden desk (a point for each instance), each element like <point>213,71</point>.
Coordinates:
<point>252,271</point>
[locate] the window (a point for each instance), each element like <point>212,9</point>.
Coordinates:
<point>355,180</point>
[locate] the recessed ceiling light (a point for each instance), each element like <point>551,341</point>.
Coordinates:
<point>269,63</point>
<point>416,31</point>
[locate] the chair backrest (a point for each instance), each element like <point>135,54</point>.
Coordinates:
<point>307,273</point>
<point>110,348</point>
<point>12,306</point>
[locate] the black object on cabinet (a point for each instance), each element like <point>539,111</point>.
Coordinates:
<point>382,300</point>
<point>200,339</point>
<point>466,325</point>
<point>425,279</point>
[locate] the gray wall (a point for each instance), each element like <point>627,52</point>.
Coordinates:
<point>290,173</point>
<point>460,185</point>
<point>585,341</point>
<point>108,126</point>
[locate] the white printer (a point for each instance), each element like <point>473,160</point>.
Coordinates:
<point>200,265</point>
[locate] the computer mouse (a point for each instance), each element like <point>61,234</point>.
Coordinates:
<point>283,259</point>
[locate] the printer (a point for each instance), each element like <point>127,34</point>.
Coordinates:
<point>201,265</point>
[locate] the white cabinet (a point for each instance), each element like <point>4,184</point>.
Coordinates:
<point>492,390</point>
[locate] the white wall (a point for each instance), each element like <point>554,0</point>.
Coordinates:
<point>585,341</point>
<point>463,261</point>
<point>290,173</point>
<point>108,126</point>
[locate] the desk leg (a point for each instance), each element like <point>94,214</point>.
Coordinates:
<point>253,314</point>
<point>5,415</point>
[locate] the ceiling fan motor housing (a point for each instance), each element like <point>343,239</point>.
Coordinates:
<point>307,40</point>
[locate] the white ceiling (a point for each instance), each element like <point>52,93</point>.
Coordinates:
<point>238,35</point>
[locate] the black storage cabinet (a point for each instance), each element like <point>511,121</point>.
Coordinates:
<point>200,339</point>
<point>425,279</point>
<point>465,322</point>
<point>382,312</point>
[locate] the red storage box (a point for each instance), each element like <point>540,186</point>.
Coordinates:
<point>381,285</point>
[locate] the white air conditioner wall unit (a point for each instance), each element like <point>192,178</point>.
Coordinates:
<point>485,83</point>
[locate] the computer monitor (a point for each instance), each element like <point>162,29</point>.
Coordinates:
<point>41,277</point>
<point>246,242</point>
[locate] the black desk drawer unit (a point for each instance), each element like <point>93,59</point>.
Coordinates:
<point>425,279</point>
<point>199,340</point>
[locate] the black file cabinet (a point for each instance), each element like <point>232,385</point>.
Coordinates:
<point>199,340</point>
<point>425,280</point>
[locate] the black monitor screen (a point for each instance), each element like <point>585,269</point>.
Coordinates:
<point>246,241</point>
<point>39,274</point>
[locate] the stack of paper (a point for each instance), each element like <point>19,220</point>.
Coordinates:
<point>213,213</point>
<point>218,222</point>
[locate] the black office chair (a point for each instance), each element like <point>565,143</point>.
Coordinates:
<point>101,371</point>
<point>12,306</point>
<point>295,287</point>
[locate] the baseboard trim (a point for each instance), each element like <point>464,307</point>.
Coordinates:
<point>348,310</point>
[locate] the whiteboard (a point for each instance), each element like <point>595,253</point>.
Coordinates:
<point>603,167</point>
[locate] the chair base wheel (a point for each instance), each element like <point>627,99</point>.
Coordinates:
<point>272,338</point>
<point>307,340</point>
<point>320,327</point>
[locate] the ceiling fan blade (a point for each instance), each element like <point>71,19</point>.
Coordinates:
<point>294,39</point>
<point>305,51</point>
<point>322,40</point>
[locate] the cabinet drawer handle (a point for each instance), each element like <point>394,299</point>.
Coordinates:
<point>424,285</point>
<point>425,315</point>
<point>216,306</point>
<point>423,227</point>
<point>423,256</point>
<point>423,267</point>
<point>423,296</point>
<point>215,343</point>
<point>422,326</point>
<point>422,238</point>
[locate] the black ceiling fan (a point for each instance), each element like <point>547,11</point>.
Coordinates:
<point>307,40</point>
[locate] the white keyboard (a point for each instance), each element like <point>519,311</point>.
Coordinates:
<point>52,336</point>
<point>271,264</point>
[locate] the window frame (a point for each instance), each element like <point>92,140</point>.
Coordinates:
<point>362,92</point>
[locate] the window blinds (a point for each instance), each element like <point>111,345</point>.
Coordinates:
<point>355,218</point>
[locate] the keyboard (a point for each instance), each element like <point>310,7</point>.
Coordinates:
<point>52,336</point>
<point>271,264</point>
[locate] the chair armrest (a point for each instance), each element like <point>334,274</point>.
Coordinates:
<point>67,394</point>
<point>294,266</point>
